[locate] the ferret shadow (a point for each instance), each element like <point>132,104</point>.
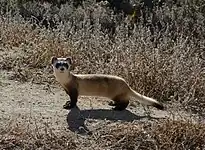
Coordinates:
<point>76,118</point>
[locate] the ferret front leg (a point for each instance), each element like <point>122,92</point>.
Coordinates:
<point>73,93</point>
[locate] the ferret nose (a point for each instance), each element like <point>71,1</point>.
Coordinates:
<point>62,69</point>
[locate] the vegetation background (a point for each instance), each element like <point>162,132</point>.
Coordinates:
<point>157,46</point>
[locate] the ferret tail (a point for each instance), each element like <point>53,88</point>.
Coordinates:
<point>146,100</point>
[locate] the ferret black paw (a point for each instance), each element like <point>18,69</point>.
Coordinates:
<point>118,108</point>
<point>111,103</point>
<point>69,105</point>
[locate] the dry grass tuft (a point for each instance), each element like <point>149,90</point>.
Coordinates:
<point>179,135</point>
<point>125,136</point>
<point>18,136</point>
<point>166,134</point>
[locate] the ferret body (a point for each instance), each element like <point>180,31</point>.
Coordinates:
<point>109,86</point>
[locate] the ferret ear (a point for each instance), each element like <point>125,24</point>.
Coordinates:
<point>53,59</point>
<point>68,59</point>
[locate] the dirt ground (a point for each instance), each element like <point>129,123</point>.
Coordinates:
<point>43,103</point>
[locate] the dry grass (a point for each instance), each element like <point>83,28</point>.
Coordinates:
<point>167,65</point>
<point>166,134</point>
<point>174,71</point>
<point>22,136</point>
<point>179,135</point>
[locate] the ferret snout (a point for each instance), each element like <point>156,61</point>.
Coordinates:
<point>62,69</point>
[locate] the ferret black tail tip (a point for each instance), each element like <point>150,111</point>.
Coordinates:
<point>159,106</point>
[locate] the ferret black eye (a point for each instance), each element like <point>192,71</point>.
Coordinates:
<point>58,65</point>
<point>66,65</point>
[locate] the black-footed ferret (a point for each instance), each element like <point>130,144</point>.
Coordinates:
<point>112,87</point>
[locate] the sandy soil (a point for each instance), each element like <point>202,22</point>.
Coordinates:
<point>24,102</point>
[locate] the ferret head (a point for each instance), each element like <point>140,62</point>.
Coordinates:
<point>61,65</point>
